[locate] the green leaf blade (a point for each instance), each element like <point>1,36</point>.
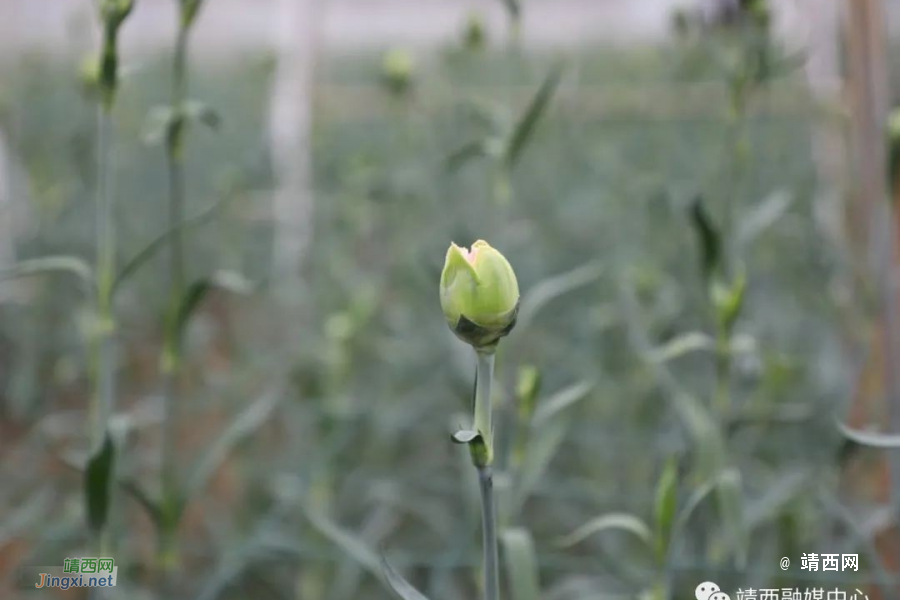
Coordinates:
<point>665,506</point>
<point>708,237</point>
<point>98,478</point>
<point>400,586</point>
<point>608,522</point>
<point>50,264</point>
<point>870,438</point>
<point>521,564</point>
<point>527,124</point>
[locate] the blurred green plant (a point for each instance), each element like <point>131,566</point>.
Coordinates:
<point>503,145</point>
<point>615,371</point>
<point>474,36</point>
<point>398,70</point>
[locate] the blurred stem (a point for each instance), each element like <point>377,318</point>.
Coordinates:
<point>501,185</point>
<point>104,384</point>
<point>171,359</point>
<point>737,146</point>
<point>489,532</point>
<point>723,374</point>
<point>103,398</point>
<point>484,376</point>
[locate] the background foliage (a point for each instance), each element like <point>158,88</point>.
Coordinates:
<point>335,391</point>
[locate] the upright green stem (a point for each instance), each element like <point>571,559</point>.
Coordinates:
<point>171,359</point>
<point>723,387</point>
<point>489,533</point>
<point>482,462</point>
<point>723,376</point>
<point>484,376</point>
<point>103,341</point>
<point>175,161</point>
<point>104,384</point>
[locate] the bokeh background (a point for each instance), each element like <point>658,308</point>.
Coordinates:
<point>597,144</point>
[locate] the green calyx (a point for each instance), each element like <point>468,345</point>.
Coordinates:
<point>113,13</point>
<point>479,294</point>
<point>189,11</point>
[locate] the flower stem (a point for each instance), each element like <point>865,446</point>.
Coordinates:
<point>104,378</point>
<point>483,379</point>
<point>171,359</point>
<point>723,375</point>
<point>484,376</point>
<point>489,533</point>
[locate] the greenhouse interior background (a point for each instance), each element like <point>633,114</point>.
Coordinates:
<point>227,361</point>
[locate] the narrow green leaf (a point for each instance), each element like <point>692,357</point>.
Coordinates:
<point>247,422</point>
<point>50,264</point>
<point>189,303</point>
<point>528,385</point>
<point>163,121</point>
<point>377,525</point>
<point>870,438</point>
<point>156,125</point>
<point>608,522</point>
<point>665,506</point>
<point>521,564</point>
<point>151,506</point>
<point>729,300</point>
<point>777,496</point>
<point>731,506</point>
<point>229,281</point>
<point>200,112</point>
<point>150,250</point>
<point>708,237</point>
<point>97,483</point>
<point>681,345</point>
<point>356,548</point>
<point>560,401</point>
<point>544,443</point>
<point>705,433</point>
<point>529,120</point>
<point>464,154</point>
<point>762,216</point>
<point>464,436</point>
<point>233,281</point>
<point>402,588</point>
<point>697,497</point>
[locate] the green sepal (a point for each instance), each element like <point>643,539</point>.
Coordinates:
<point>484,337</point>
<point>481,454</point>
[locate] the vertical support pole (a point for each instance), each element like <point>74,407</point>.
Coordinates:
<point>290,131</point>
<point>872,218</point>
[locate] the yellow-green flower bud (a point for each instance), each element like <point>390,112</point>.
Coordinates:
<point>397,70</point>
<point>479,294</point>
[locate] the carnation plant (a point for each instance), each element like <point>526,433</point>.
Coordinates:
<point>479,295</point>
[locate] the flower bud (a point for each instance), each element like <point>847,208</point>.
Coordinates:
<point>474,33</point>
<point>113,13</point>
<point>397,70</point>
<point>479,294</point>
